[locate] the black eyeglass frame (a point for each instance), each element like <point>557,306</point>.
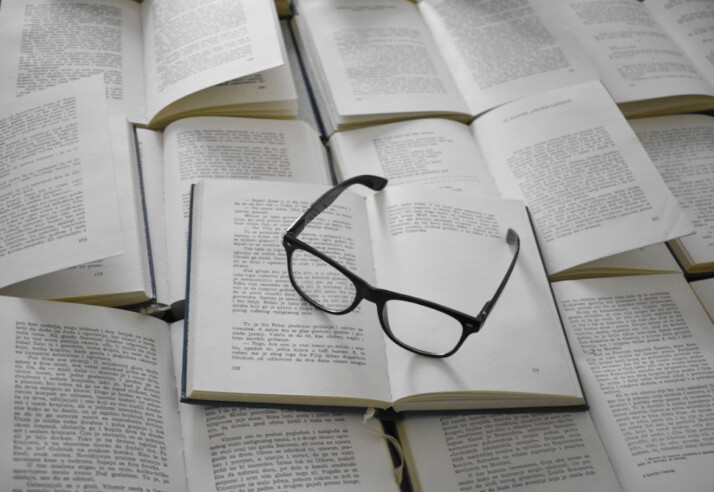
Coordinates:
<point>364,291</point>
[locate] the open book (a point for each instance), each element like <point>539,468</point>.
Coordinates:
<point>682,148</point>
<point>89,399</point>
<point>387,60</point>
<point>153,200</point>
<point>192,149</point>
<point>251,338</point>
<point>645,349</point>
<point>568,153</point>
<point>58,199</point>
<point>161,59</point>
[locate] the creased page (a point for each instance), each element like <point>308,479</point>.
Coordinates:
<point>526,452</point>
<point>429,151</point>
<point>251,337</point>
<point>47,43</point>
<point>229,148</point>
<point>189,46</point>
<point>501,51</point>
<point>58,202</point>
<point>582,172</point>
<point>645,352</point>
<point>451,248</point>
<point>88,400</point>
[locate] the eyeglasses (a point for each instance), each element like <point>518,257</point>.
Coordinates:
<point>418,325</point>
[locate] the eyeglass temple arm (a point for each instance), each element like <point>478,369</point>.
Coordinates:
<point>513,239</point>
<point>375,183</point>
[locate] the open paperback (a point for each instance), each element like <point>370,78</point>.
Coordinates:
<point>89,400</point>
<point>154,171</point>
<point>386,60</point>
<point>161,59</point>
<point>569,154</point>
<point>251,338</point>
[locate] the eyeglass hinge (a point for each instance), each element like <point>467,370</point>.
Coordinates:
<point>484,312</point>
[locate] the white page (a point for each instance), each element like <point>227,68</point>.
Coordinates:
<point>689,23</point>
<point>378,57</point>
<point>268,93</point>
<point>74,39</point>
<point>249,331</point>
<point>428,151</point>
<point>59,193</point>
<point>124,273</point>
<point>88,398</point>
<point>533,452</point>
<point>193,46</point>
<point>501,51</point>
<point>682,149</point>
<point>268,446</point>
<point>645,354</point>
<point>229,148</point>
<point>635,57</point>
<point>572,157</point>
<point>450,248</point>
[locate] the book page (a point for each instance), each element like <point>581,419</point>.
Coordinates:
<point>243,448</point>
<point>48,43</point>
<point>635,57</point>
<point>533,452</point>
<point>88,400</point>
<point>656,258</point>
<point>189,46</point>
<point>682,149</point>
<point>579,167</point>
<point>229,148</point>
<point>57,188</point>
<point>501,51</point>
<point>450,248</point>
<point>251,337</point>
<point>269,93</point>
<point>689,23</point>
<point>645,353</point>
<point>121,275</point>
<point>428,151</point>
<point>704,289</point>
<point>376,57</point>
